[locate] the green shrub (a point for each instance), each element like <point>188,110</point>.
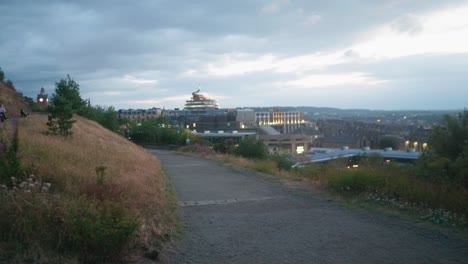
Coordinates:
<point>10,165</point>
<point>97,230</point>
<point>251,148</point>
<point>283,162</point>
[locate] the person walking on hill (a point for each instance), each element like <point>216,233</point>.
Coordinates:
<point>2,113</point>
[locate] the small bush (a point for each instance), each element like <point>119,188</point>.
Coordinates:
<point>96,230</point>
<point>283,162</point>
<point>251,148</point>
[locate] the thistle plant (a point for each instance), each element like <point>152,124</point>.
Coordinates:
<point>29,185</point>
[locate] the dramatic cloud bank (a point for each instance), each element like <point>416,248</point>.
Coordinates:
<point>350,54</point>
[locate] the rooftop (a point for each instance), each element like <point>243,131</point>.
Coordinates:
<point>326,154</point>
<point>199,101</point>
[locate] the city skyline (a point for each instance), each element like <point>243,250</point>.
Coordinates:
<point>381,55</point>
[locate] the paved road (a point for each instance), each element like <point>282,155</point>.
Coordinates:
<point>244,217</point>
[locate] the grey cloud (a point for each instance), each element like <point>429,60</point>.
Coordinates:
<point>408,24</point>
<point>95,41</point>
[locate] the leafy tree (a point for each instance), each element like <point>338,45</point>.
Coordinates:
<point>156,131</point>
<point>2,75</point>
<point>448,159</point>
<point>60,116</point>
<point>107,117</point>
<point>70,91</point>
<point>450,139</point>
<point>64,103</point>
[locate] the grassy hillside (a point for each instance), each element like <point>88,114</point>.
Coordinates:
<point>12,100</point>
<point>106,199</point>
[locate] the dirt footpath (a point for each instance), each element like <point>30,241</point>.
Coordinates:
<point>244,217</point>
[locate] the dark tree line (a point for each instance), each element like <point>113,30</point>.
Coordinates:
<point>156,131</point>
<point>447,160</point>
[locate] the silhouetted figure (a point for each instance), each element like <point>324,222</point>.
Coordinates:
<point>23,113</point>
<point>2,113</point>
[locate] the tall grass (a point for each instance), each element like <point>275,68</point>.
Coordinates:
<point>393,184</point>
<point>106,196</point>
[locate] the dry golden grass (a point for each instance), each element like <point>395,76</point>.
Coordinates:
<point>70,165</point>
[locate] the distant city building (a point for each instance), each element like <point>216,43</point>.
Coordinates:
<point>199,102</point>
<point>42,99</point>
<point>286,122</point>
<point>338,141</point>
<point>356,134</point>
<point>327,154</point>
<point>203,114</point>
<point>139,114</point>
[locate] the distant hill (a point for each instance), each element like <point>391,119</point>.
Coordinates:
<point>12,100</point>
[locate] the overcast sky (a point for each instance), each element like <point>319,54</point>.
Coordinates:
<point>375,54</point>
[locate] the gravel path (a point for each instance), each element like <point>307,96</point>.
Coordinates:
<point>245,217</point>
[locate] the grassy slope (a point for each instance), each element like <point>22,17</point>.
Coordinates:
<point>132,178</point>
<point>12,101</point>
<point>73,161</point>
